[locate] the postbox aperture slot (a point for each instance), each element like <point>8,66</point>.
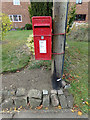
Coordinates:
<point>41,26</point>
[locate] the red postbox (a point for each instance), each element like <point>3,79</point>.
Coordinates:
<point>42,34</point>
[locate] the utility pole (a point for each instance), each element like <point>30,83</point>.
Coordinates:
<point>59,18</point>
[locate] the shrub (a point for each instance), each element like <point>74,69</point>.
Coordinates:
<point>6,24</point>
<point>40,9</point>
<point>28,26</point>
<point>22,28</point>
<point>71,17</point>
<point>30,44</point>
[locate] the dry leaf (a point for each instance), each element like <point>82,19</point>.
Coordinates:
<point>72,110</point>
<point>79,113</point>
<point>15,109</point>
<point>46,108</point>
<point>87,103</point>
<point>20,107</point>
<point>59,107</point>
<point>40,107</point>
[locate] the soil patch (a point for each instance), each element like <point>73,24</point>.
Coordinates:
<point>29,79</point>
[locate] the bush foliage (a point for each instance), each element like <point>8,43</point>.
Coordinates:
<point>28,27</point>
<point>30,43</point>
<point>6,24</point>
<point>71,16</point>
<point>40,9</point>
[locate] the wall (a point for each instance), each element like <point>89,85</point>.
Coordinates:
<point>22,9</point>
<point>81,9</point>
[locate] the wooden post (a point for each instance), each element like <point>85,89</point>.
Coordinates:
<point>59,18</point>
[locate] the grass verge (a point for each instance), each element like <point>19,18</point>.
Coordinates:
<point>14,51</point>
<point>76,72</point>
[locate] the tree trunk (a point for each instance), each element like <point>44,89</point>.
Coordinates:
<point>59,18</point>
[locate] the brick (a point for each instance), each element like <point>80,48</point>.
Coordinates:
<point>22,9</point>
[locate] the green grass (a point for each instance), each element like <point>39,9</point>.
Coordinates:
<point>76,70</point>
<point>40,63</point>
<point>14,55</point>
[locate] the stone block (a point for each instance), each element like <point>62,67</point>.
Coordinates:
<point>11,93</point>
<point>7,104</point>
<point>46,101</point>
<point>0,99</point>
<point>70,101</point>
<point>53,91</point>
<point>20,102</point>
<point>35,102</point>
<point>35,94</point>
<point>54,100</point>
<point>60,92</point>
<point>66,92</point>
<point>45,92</point>
<point>20,92</point>
<point>63,101</point>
